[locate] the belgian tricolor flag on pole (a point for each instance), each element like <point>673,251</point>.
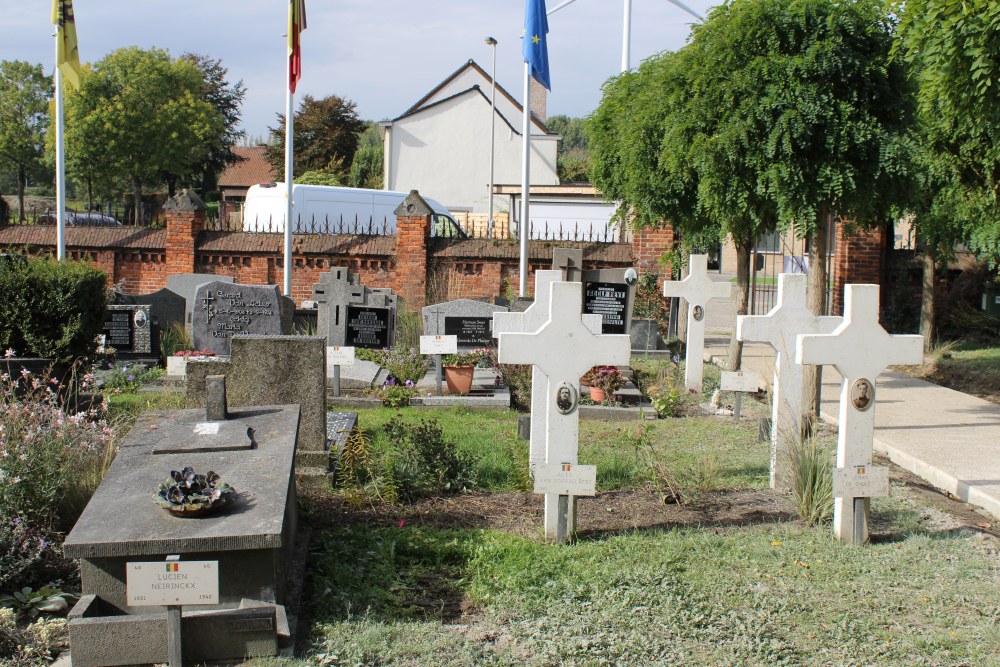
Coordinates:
<point>296,24</point>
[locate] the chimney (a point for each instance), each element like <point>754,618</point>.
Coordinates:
<point>538,99</point>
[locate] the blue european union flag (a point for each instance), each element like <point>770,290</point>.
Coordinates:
<point>536,53</point>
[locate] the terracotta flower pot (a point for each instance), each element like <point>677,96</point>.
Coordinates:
<point>459,378</point>
<point>598,395</point>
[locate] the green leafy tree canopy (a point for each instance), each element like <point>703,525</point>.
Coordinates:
<point>24,94</point>
<point>326,137</point>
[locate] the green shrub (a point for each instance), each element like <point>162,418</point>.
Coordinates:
<point>35,644</point>
<point>405,364</point>
<point>51,309</point>
<point>173,339</point>
<point>127,378</point>
<point>427,463</point>
<point>50,461</point>
<point>27,555</point>
<point>812,481</point>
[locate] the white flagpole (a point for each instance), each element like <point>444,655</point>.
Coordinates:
<point>627,37</point>
<point>289,180</point>
<point>60,164</point>
<point>525,168</point>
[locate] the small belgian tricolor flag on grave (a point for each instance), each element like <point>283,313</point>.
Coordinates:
<point>566,467</point>
<point>173,567</point>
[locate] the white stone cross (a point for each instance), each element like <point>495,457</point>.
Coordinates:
<point>860,349</point>
<point>529,321</point>
<point>563,349</point>
<point>697,289</point>
<point>789,318</point>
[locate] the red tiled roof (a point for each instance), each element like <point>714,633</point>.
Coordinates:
<point>241,242</point>
<point>253,169</point>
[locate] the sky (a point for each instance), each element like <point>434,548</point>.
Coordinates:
<point>384,56</point>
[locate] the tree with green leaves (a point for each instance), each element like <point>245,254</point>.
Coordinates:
<point>24,94</point>
<point>573,161</point>
<point>141,118</point>
<point>367,168</point>
<point>227,99</point>
<point>954,48</point>
<point>326,137</point>
<point>776,115</point>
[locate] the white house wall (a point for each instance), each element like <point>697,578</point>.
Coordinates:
<point>444,151</point>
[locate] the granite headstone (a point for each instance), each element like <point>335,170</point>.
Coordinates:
<point>227,309</point>
<point>128,329</point>
<point>351,314</point>
<point>469,319</point>
<point>186,284</point>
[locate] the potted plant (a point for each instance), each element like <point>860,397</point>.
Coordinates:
<point>604,382</point>
<point>459,370</point>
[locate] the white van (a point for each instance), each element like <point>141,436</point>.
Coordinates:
<point>323,209</point>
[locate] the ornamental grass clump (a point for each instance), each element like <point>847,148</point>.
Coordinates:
<point>50,461</point>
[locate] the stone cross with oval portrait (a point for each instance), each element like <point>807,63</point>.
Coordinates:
<point>860,349</point>
<point>789,318</point>
<point>529,321</point>
<point>697,289</point>
<point>563,349</point>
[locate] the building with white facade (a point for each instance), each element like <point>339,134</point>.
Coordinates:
<point>441,145</point>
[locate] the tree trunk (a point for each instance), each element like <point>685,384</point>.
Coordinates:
<point>816,292</point>
<point>22,177</point>
<point>90,193</point>
<point>927,297</point>
<point>743,248</point>
<point>171,186</point>
<point>137,195</point>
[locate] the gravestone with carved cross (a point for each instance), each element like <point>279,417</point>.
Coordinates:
<point>789,318</point>
<point>860,349</point>
<point>563,349</point>
<point>529,321</point>
<point>697,289</point>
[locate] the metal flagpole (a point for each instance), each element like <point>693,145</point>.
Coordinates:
<point>289,180</point>
<point>60,164</point>
<point>627,37</point>
<point>525,160</point>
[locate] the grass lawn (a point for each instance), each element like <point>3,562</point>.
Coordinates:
<point>729,578</point>
<point>973,368</point>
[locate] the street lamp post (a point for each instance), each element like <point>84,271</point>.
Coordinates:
<point>493,128</point>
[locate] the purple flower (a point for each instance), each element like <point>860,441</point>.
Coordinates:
<point>409,384</point>
<point>130,378</point>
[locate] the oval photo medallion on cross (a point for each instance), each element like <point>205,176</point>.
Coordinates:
<point>698,313</point>
<point>566,398</point>
<point>862,394</point>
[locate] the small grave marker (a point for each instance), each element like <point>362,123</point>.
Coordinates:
<point>740,382</point>
<point>565,479</point>
<point>860,349</point>
<point>178,582</point>
<point>438,345</point>
<point>697,289</point>
<point>337,356</point>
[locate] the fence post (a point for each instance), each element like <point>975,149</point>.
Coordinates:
<point>413,230</point>
<point>185,218</point>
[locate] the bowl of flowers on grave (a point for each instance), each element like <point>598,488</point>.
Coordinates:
<point>188,494</point>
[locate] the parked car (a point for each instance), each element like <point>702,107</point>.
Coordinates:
<point>84,219</point>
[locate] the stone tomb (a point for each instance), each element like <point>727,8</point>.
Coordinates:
<point>353,315</point>
<point>252,540</point>
<point>468,319</point>
<point>128,329</point>
<point>265,370</point>
<point>224,310</point>
<point>166,308</point>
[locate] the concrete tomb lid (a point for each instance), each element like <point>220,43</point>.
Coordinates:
<point>123,520</point>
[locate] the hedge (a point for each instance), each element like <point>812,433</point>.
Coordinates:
<point>51,309</point>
